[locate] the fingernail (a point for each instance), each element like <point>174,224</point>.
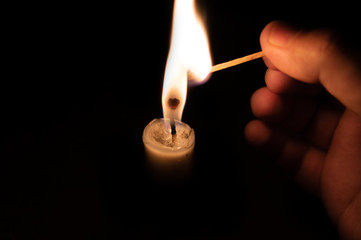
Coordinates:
<point>281,34</point>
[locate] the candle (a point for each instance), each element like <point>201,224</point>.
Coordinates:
<point>169,155</point>
<point>168,142</point>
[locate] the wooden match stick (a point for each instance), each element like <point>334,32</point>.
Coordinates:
<point>237,61</point>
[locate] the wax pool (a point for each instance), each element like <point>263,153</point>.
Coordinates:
<point>169,156</point>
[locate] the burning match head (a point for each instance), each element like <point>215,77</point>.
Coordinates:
<point>194,80</point>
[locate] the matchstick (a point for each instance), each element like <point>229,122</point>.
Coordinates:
<point>237,61</point>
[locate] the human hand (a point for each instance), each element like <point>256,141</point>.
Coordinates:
<point>318,140</point>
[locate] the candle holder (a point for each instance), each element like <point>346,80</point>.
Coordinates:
<point>169,155</point>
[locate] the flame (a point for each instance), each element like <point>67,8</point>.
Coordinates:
<point>188,60</point>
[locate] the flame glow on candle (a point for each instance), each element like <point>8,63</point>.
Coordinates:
<point>188,60</point>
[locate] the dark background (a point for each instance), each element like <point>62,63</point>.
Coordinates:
<point>79,84</point>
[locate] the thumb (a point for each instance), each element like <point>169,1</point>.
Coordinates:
<point>313,57</point>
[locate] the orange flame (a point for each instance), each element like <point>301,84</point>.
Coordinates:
<point>188,60</point>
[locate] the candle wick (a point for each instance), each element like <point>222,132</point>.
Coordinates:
<point>173,130</point>
<point>172,127</point>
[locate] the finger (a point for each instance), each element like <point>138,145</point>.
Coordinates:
<point>293,113</point>
<point>342,170</point>
<point>269,64</point>
<point>297,115</point>
<point>280,83</point>
<point>304,161</point>
<point>313,57</point>
<point>259,134</point>
<point>323,124</point>
<point>269,106</point>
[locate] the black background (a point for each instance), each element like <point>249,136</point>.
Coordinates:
<point>79,84</point>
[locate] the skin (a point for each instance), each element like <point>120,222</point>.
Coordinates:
<point>309,115</point>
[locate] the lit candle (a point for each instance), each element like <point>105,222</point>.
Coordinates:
<point>168,142</point>
<point>169,155</point>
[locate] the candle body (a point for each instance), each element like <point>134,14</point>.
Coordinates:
<point>169,156</point>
